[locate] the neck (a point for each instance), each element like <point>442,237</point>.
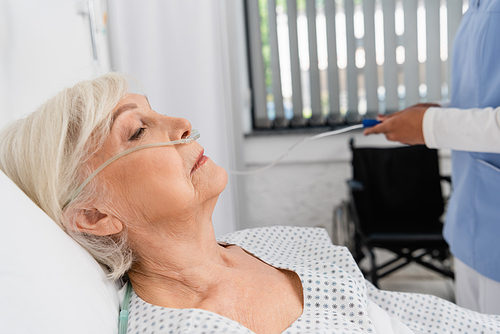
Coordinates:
<point>179,268</point>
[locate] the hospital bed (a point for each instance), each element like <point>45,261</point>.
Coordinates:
<point>50,284</point>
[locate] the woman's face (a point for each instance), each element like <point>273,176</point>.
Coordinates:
<point>156,187</point>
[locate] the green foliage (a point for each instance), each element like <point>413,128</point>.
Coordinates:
<point>266,48</point>
<point>281,3</point>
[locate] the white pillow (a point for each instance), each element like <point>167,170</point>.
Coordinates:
<point>49,283</point>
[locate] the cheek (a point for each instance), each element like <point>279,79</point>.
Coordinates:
<point>149,186</point>
<point>160,195</point>
<point>153,190</point>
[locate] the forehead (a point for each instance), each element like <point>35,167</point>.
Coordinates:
<point>139,100</point>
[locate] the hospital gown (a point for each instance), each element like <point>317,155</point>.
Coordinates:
<point>337,298</point>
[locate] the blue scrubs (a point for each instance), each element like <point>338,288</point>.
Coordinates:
<point>472,226</point>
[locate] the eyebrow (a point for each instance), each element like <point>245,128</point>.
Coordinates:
<point>121,110</point>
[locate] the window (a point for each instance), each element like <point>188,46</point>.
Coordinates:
<point>332,62</point>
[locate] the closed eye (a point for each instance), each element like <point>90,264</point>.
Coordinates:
<point>138,134</point>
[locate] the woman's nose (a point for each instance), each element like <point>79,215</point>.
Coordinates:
<point>179,128</point>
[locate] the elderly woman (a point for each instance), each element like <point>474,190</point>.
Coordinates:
<point>88,157</point>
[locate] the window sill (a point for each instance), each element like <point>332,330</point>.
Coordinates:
<point>308,131</point>
<point>265,146</point>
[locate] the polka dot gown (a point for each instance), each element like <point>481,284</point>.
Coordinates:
<point>336,295</point>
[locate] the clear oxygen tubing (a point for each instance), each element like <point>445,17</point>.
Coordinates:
<point>195,135</point>
<point>123,318</point>
<point>291,148</point>
<point>191,138</point>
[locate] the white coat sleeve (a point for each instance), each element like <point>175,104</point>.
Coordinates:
<point>476,130</point>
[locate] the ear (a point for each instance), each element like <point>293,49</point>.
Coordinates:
<point>93,221</point>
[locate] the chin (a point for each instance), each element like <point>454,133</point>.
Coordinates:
<point>216,185</point>
<point>212,180</point>
<point>221,177</point>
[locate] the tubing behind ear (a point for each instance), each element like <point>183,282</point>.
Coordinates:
<point>123,319</point>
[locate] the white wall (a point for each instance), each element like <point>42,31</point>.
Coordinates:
<point>44,47</point>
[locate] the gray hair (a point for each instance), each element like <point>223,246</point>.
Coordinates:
<point>46,154</point>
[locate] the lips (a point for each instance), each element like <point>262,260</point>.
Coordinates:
<point>200,161</point>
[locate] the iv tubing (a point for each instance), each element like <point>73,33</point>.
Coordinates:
<point>318,136</point>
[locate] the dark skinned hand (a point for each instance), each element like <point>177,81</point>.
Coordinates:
<point>404,126</point>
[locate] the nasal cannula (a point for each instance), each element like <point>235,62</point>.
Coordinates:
<point>195,135</point>
<point>124,313</point>
<point>189,139</point>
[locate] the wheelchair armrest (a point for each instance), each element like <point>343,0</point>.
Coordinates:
<point>446,178</point>
<point>355,185</point>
